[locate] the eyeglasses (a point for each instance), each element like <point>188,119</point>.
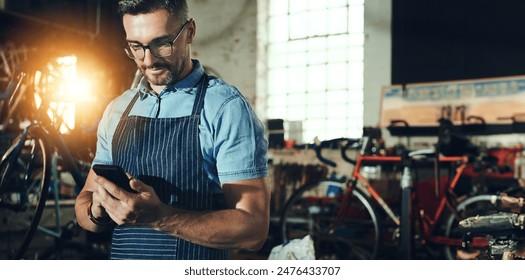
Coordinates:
<point>161,49</point>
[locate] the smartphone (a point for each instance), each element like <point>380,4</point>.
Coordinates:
<point>115,174</point>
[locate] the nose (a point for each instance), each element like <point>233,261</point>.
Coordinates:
<point>149,58</point>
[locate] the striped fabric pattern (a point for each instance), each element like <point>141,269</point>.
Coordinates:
<point>165,153</point>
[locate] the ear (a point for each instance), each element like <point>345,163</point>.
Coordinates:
<point>192,28</point>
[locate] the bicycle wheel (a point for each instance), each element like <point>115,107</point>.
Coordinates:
<point>472,206</point>
<point>25,173</point>
<point>313,210</point>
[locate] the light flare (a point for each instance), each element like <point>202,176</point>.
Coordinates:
<point>66,89</point>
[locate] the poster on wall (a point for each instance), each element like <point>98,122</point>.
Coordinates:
<point>492,101</point>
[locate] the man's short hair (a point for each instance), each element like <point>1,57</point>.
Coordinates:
<point>178,8</point>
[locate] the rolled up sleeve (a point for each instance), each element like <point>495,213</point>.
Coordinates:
<point>240,143</point>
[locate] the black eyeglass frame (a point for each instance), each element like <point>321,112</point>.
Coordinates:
<point>129,52</point>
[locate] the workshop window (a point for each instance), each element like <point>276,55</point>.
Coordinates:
<point>315,67</point>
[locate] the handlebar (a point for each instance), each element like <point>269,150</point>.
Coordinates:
<point>351,143</point>
<point>343,144</point>
<point>325,145</point>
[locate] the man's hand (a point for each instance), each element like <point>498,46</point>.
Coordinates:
<point>141,208</point>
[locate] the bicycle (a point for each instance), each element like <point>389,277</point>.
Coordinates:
<point>342,216</point>
<point>34,163</point>
<point>312,209</point>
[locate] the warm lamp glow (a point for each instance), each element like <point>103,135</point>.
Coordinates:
<point>65,89</point>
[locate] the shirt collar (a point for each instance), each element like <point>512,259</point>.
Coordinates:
<point>185,85</point>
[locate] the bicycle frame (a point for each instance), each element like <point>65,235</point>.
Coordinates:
<point>429,223</point>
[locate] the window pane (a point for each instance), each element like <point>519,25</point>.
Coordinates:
<point>337,97</point>
<point>336,3</point>
<point>317,43</point>
<point>275,112</point>
<point>337,21</point>
<point>296,80</point>
<point>298,26</point>
<point>356,54</point>
<point>316,99</point>
<point>317,124</point>
<point>356,96</point>
<point>356,40</point>
<point>296,6</point>
<point>317,23</point>
<point>318,112</point>
<point>277,99</point>
<point>315,59</point>
<point>278,48</point>
<point>356,19</point>
<point>296,113</point>
<point>338,55</point>
<point>337,75</point>
<point>296,59</point>
<point>279,7</point>
<point>279,27</point>
<point>338,41</point>
<point>355,109</point>
<point>297,46</point>
<point>277,81</point>
<point>277,60</point>
<point>297,99</point>
<point>355,75</point>
<point>316,77</point>
<point>338,123</point>
<point>316,4</point>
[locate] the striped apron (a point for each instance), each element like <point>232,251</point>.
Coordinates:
<point>165,153</point>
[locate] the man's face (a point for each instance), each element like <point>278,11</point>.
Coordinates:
<point>154,28</point>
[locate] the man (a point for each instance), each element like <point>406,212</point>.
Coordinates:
<point>192,143</point>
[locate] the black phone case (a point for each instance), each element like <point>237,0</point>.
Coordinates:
<point>115,174</point>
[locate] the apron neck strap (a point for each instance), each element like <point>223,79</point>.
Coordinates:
<point>197,105</point>
<point>201,92</point>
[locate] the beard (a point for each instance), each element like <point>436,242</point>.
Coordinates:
<point>168,73</point>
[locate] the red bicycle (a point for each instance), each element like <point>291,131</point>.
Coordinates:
<point>351,219</point>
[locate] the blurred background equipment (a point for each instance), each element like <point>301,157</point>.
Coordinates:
<point>61,62</point>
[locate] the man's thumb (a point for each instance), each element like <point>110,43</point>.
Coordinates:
<point>137,185</point>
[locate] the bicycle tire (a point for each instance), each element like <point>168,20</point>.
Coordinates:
<point>472,206</point>
<point>25,177</point>
<point>312,210</point>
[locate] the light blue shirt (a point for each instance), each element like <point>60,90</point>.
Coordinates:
<point>233,143</point>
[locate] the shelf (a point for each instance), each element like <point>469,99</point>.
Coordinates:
<point>465,129</point>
